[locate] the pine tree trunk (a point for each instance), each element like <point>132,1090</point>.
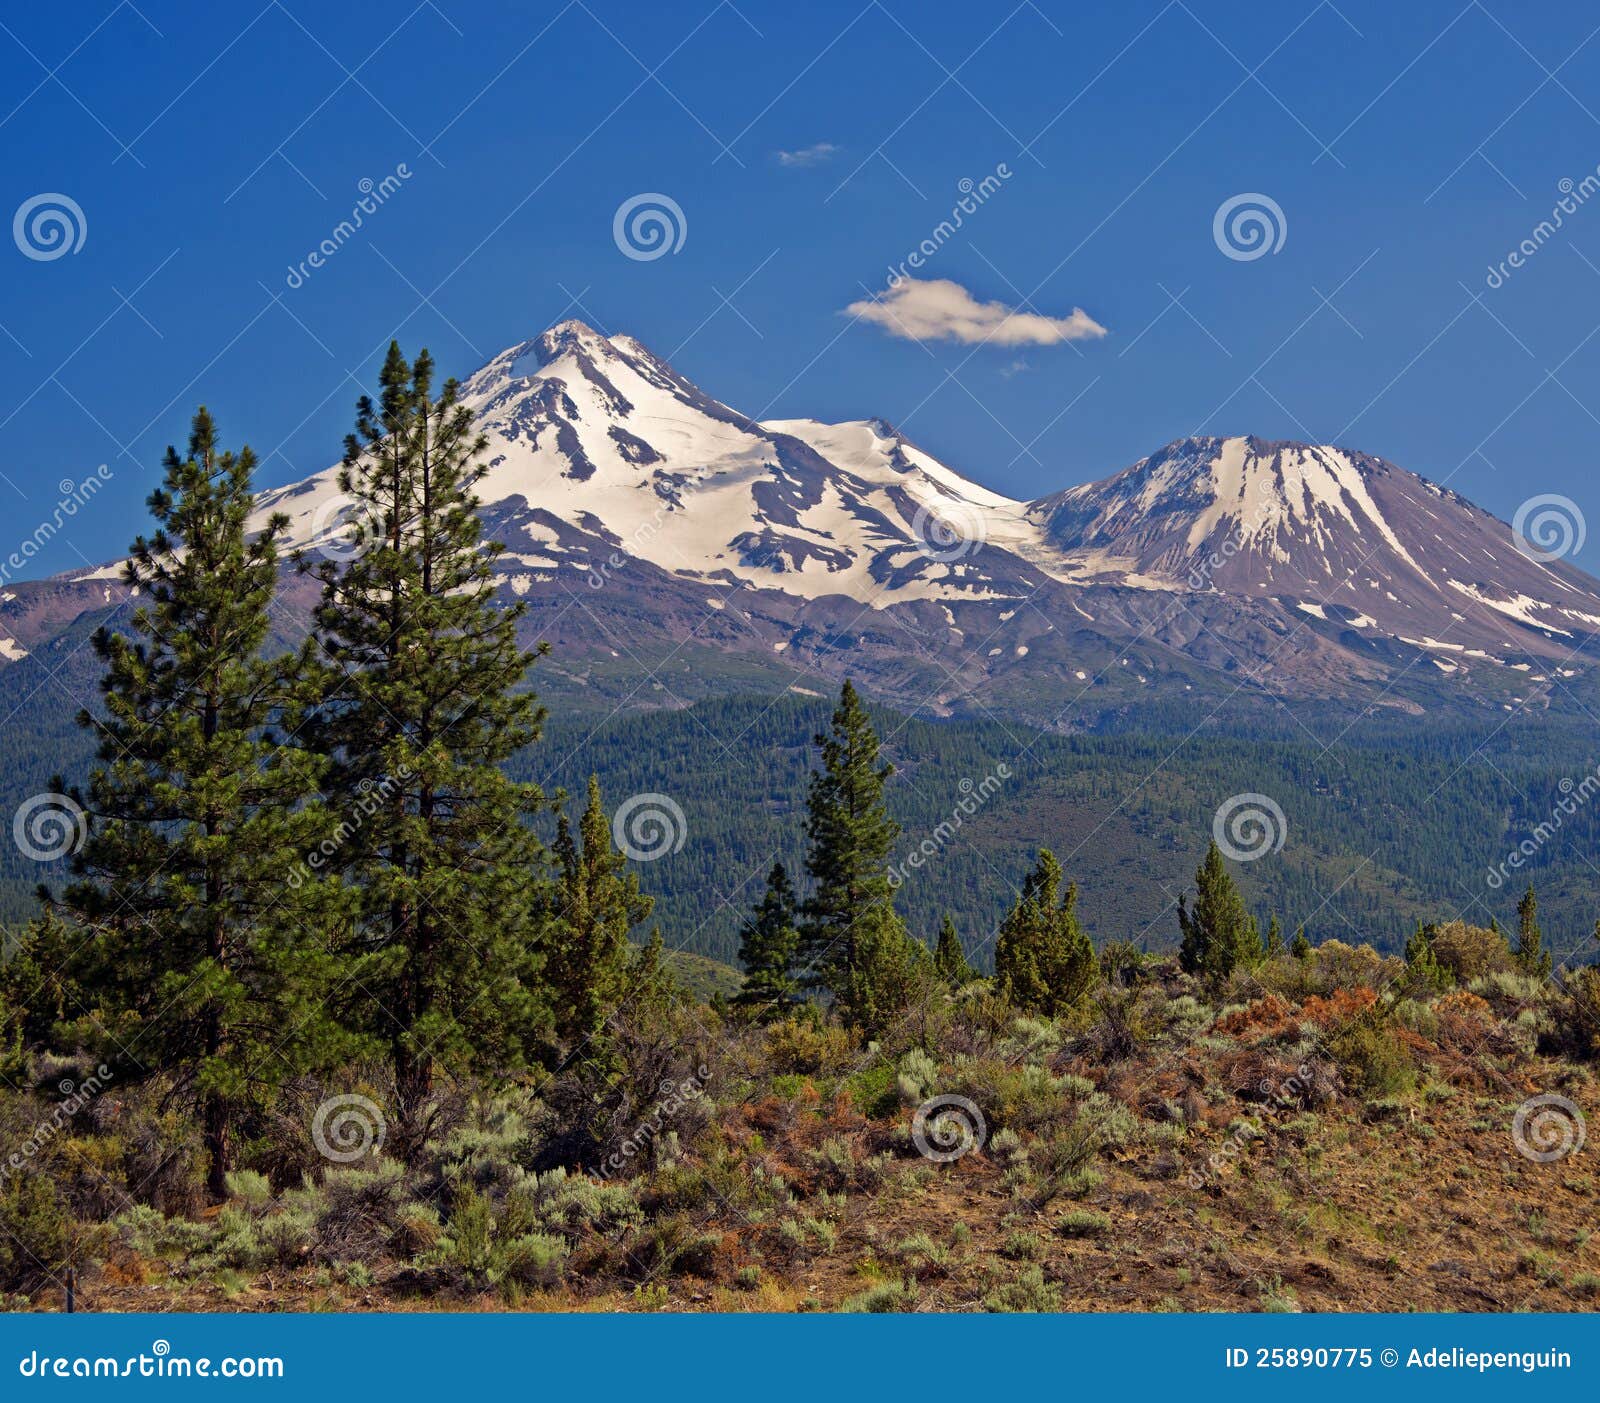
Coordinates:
<point>413,1083</point>
<point>214,1117</point>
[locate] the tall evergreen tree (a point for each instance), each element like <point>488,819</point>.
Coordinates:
<point>598,902</point>
<point>424,700</point>
<point>1043,960</point>
<point>203,963</point>
<point>1274,938</point>
<point>767,947</point>
<point>1532,957</point>
<point>1300,947</point>
<point>852,942</point>
<point>1219,935</point>
<point>949,959</point>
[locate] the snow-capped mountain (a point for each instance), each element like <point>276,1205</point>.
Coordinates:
<point>598,447</point>
<point>656,532</point>
<point>1338,535</point>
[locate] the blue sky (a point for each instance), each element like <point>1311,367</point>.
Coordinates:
<point>1410,148</point>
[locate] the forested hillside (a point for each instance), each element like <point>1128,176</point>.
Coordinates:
<point>1393,823</point>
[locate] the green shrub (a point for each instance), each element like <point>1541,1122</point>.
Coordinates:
<point>357,1211</point>
<point>835,1162</point>
<point>252,1188</point>
<point>1373,1058</point>
<point>287,1236</point>
<point>235,1241</point>
<point>917,1079</point>
<point>884,1298</point>
<point>574,1205</point>
<point>35,1233</point>
<point>1029,1292</point>
<point>1470,952</point>
<point>1020,1246</point>
<point>1083,1222</point>
<point>803,1045</point>
<point>532,1259</point>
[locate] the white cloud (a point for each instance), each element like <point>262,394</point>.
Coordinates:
<point>808,155</point>
<point>940,310</point>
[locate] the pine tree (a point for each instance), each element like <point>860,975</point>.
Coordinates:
<point>1532,957</point>
<point>1300,947</point>
<point>598,902</point>
<point>423,701</point>
<point>1219,935</point>
<point>767,947</point>
<point>204,962</point>
<point>1424,972</point>
<point>852,942</point>
<point>648,981</point>
<point>1043,961</point>
<point>949,959</point>
<point>1274,938</point>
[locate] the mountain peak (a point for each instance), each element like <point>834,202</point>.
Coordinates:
<point>569,336</point>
